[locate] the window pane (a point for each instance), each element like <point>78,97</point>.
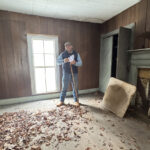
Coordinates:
<point>50,79</point>
<point>38,46</point>
<point>38,59</point>
<point>40,86</point>
<point>49,46</point>
<point>49,60</point>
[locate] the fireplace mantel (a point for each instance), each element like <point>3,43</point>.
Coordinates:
<point>139,50</point>
<point>138,58</point>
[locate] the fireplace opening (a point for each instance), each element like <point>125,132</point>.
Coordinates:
<point>143,89</point>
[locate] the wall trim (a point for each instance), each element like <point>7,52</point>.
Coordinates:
<point>41,97</point>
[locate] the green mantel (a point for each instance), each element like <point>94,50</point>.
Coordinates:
<point>139,58</point>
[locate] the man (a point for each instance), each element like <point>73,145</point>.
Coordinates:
<point>67,58</point>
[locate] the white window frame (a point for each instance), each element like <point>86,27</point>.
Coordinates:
<point>31,37</point>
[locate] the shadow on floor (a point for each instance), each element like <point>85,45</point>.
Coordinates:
<point>96,109</point>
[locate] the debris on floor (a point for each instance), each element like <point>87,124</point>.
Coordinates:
<point>118,96</point>
<point>41,126</point>
<point>21,130</point>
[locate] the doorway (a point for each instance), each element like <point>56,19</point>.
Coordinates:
<point>114,55</point>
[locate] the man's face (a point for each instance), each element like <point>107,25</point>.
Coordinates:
<point>69,48</point>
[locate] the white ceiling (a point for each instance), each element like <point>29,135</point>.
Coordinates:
<point>97,11</point>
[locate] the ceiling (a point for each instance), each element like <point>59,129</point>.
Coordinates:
<point>97,11</point>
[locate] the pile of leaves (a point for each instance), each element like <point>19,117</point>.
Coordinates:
<point>29,130</point>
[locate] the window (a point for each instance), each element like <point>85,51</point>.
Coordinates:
<point>44,73</point>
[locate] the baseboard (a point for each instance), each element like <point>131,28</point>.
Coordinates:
<point>41,97</point>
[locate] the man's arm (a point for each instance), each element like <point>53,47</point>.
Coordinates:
<point>79,61</point>
<point>60,60</point>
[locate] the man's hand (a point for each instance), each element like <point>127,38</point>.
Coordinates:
<point>73,62</point>
<point>66,60</point>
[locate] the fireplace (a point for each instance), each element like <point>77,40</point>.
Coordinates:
<point>139,75</point>
<point>143,88</point>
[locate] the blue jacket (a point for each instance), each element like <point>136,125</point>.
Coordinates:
<point>66,66</point>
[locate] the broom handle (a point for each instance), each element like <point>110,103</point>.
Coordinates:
<point>74,84</point>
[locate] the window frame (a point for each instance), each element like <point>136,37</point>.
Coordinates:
<point>30,38</point>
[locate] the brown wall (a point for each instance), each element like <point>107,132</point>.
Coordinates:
<point>140,14</point>
<point>148,22</point>
<point>14,67</point>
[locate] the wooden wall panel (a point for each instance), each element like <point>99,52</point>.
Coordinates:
<point>21,57</point>
<point>148,23</point>
<point>14,72</point>
<point>15,79</point>
<point>137,14</point>
<point>7,58</point>
<point>148,17</point>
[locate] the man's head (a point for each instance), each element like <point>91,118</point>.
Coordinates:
<point>68,47</point>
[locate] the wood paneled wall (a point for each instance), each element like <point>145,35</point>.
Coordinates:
<point>148,22</point>
<point>14,67</point>
<point>14,72</point>
<point>138,14</point>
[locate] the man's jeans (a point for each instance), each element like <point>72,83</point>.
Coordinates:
<point>66,79</point>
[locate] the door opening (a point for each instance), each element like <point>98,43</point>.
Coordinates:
<point>114,56</point>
